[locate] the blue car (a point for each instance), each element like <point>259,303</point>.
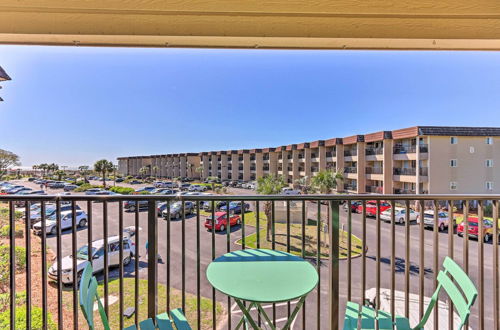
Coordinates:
<point>235,207</point>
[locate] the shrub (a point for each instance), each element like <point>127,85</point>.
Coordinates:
<point>122,190</point>
<point>20,323</point>
<point>5,263</point>
<point>18,231</point>
<point>488,210</point>
<point>4,212</point>
<point>5,300</point>
<point>86,186</point>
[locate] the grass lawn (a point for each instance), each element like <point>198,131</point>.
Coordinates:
<point>311,236</point>
<point>129,299</point>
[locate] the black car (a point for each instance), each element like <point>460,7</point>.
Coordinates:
<point>130,205</point>
<point>119,179</point>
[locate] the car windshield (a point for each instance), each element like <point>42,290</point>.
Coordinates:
<point>427,215</point>
<point>82,252</point>
<point>234,204</point>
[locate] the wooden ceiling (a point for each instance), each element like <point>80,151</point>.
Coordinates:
<point>296,24</point>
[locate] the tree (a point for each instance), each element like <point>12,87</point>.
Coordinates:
<point>142,171</point>
<point>155,169</point>
<point>44,167</point>
<point>304,185</point>
<point>84,171</point>
<point>59,174</point>
<point>7,159</point>
<point>103,166</point>
<point>199,170</point>
<point>35,168</point>
<point>52,167</point>
<point>270,185</point>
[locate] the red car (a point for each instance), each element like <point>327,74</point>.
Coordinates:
<point>371,208</point>
<point>487,234</point>
<point>221,221</point>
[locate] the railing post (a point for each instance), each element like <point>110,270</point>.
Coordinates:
<point>152,260</point>
<point>333,265</point>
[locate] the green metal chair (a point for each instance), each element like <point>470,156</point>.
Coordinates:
<point>88,294</point>
<point>367,316</point>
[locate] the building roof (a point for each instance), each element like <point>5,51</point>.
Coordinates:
<point>458,131</point>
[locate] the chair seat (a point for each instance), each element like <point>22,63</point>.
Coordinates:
<point>366,317</point>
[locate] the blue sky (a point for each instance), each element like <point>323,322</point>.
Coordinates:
<point>75,105</point>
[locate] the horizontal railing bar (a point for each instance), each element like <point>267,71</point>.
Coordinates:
<point>249,197</point>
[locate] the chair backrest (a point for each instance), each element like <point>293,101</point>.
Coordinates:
<point>87,296</point>
<point>459,288</point>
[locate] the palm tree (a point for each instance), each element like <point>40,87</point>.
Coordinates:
<point>44,167</point>
<point>142,171</point>
<point>304,184</point>
<point>269,185</point>
<point>325,181</point>
<point>103,166</point>
<point>84,171</point>
<point>59,174</point>
<point>155,169</point>
<point>35,168</point>
<point>199,170</point>
<point>51,168</point>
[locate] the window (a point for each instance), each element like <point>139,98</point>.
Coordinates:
<point>489,185</point>
<point>489,140</point>
<point>453,140</point>
<point>453,163</point>
<point>453,185</point>
<point>489,162</point>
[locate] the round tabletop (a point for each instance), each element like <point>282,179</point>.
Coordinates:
<point>263,276</point>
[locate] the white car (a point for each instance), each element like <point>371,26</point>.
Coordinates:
<point>197,187</point>
<point>290,191</point>
<point>66,222</point>
<point>442,220</point>
<point>399,214</point>
<point>97,258</point>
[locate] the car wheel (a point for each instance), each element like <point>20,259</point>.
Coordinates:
<point>441,227</point>
<point>127,260</point>
<point>82,223</point>
<point>487,238</point>
<point>401,221</point>
<point>132,209</point>
<point>53,230</point>
<point>238,222</point>
<point>222,228</point>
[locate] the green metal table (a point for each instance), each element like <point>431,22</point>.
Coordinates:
<point>262,276</point>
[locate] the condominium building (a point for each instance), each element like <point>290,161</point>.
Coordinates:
<point>414,160</point>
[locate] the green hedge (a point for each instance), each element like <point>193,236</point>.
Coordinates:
<point>5,300</point>
<point>5,263</point>
<point>20,323</point>
<point>122,190</point>
<point>18,231</point>
<point>4,212</point>
<point>86,186</point>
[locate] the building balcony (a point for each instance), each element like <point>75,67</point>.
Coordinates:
<point>352,170</point>
<point>350,187</point>
<point>405,171</point>
<point>374,189</point>
<point>374,170</point>
<point>123,225</point>
<point>330,154</point>
<point>350,153</point>
<point>374,151</point>
<point>404,191</point>
<point>400,149</point>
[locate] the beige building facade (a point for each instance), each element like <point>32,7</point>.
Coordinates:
<point>414,160</point>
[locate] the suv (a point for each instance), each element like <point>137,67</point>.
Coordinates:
<point>197,187</point>
<point>98,250</point>
<point>130,205</point>
<point>442,220</point>
<point>176,210</point>
<point>50,210</point>
<point>70,187</point>
<point>66,222</point>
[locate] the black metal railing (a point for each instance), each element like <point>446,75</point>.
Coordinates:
<point>405,171</point>
<point>374,151</point>
<point>351,152</point>
<point>350,169</point>
<point>404,191</point>
<point>424,171</point>
<point>400,149</point>
<point>374,170</point>
<point>330,154</point>
<point>374,189</point>
<point>408,259</point>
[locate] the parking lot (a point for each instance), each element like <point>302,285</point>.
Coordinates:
<point>190,255</point>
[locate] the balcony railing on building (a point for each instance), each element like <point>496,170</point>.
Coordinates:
<point>350,153</point>
<point>350,187</point>
<point>423,171</point>
<point>374,189</point>
<point>374,170</point>
<point>352,170</point>
<point>330,154</point>
<point>401,149</point>
<point>405,171</point>
<point>358,259</point>
<point>404,191</point>
<point>374,151</point>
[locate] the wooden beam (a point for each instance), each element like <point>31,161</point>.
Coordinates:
<point>319,24</point>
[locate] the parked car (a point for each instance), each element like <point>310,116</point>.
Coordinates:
<point>184,186</point>
<point>135,182</point>
<point>473,229</point>
<point>70,187</point>
<point>399,215</point>
<point>371,208</point>
<point>97,253</point>
<point>66,222</point>
<point>290,191</point>
<point>93,191</point>
<point>443,220</point>
<point>162,191</point>
<point>197,187</point>
<point>144,189</point>
<point>354,206</point>
<point>57,184</point>
<point>50,211</point>
<point>207,205</point>
<point>119,179</point>
<point>130,205</point>
<point>220,222</point>
<point>176,210</point>
<point>235,207</point>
